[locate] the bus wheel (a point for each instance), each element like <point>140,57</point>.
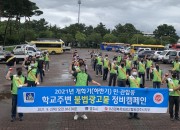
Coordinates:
<point>53,52</point>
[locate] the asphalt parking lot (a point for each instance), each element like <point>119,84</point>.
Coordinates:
<point>59,76</point>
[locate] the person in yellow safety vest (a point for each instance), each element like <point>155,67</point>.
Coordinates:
<point>176,66</point>
<point>119,58</point>
<point>141,71</point>
<point>174,93</point>
<point>105,67</point>
<point>135,60</point>
<point>122,77</point>
<point>33,76</point>
<point>18,81</point>
<point>47,60</point>
<point>157,76</point>
<point>99,65</point>
<point>149,63</point>
<point>113,72</point>
<point>82,79</point>
<point>134,82</point>
<point>128,66</point>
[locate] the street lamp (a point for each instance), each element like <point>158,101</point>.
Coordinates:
<point>79,2</point>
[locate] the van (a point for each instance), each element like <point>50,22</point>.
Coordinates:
<point>164,56</point>
<point>173,55</point>
<point>143,49</point>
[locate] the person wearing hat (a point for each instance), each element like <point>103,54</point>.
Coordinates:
<point>176,67</point>
<point>82,80</point>
<point>174,93</point>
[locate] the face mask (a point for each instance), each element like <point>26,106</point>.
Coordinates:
<point>122,65</point>
<point>32,65</point>
<point>19,73</point>
<point>141,60</point>
<point>134,73</point>
<point>157,67</point>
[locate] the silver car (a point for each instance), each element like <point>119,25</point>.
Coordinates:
<point>155,55</point>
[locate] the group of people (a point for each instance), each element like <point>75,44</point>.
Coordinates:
<point>35,71</point>
<point>126,70</point>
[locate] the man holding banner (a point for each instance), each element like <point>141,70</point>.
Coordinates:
<point>17,81</point>
<point>134,82</point>
<point>82,79</point>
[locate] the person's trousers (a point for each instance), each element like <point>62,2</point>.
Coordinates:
<point>135,64</point>
<point>133,114</point>
<point>41,74</point>
<point>94,66</point>
<point>128,71</point>
<point>98,69</point>
<point>46,65</point>
<point>112,78</point>
<point>147,73</point>
<point>177,73</point>
<point>105,73</point>
<point>174,100</point>
<point>142,76</point>
<point>14,106</point>
<point>31,83</point>
<point>156,84</point>
<point>121,83</point>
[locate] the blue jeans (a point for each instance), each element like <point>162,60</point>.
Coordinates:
<point>156,84</point>
<point>14,106</point>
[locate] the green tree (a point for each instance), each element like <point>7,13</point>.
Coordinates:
<point>94,39</point>
<point>80,38</point>
<point>101,29</point>
<point>166,31</point>
<point>110,38</point>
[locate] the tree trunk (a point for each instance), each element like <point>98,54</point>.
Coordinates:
<point>5,32</point>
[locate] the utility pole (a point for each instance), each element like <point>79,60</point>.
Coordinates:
<point>79,2</point>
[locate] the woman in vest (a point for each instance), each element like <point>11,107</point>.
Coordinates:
<point>134,82</point>
<point>18,80</point>
<point>82,79</point>
<point>149,63</point>
<point>174,93</point>
<point>99,65</point>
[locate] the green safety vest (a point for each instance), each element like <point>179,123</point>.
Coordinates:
<point>173,83</point>
<point>46,57</point>
<point>113,71</point>
<point>81,79</point>
<point>135,58</point>
<point>122,73</point>
<point>99,61</point>
<point>176,66</point>
<point>157,75</point>
<point>36,64</point>
<point>16,82</point>
<point>134,82</point>
<point>141,67</point>
<point>32,74</point>
<point>119,59</point>
<point>106,63</point>
<point>149,63</point>
<point>128,64</point>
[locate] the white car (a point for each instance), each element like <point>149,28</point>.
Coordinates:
<point>155,55</point>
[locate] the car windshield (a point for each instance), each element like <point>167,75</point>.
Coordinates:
<point>163,53</point>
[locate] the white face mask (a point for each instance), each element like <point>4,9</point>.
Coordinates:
<point>134,73</point>
<point>32,65</point>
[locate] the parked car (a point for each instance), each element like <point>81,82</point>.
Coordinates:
<point>155,55</point>
<point>145,53</point>
<point>142,49</point>
<point>173,55</point>
<point>127,50</point>
<point>164,56</point>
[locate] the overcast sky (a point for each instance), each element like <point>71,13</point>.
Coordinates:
<point>145,15</point>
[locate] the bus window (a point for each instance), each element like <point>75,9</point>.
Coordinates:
<point>49,45</point>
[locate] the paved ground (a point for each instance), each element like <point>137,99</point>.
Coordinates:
<point>59,76</point>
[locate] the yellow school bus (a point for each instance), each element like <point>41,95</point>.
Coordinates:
<point>53,47</point>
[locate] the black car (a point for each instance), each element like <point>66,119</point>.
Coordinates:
<point>146,53</point>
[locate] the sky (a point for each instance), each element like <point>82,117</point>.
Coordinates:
<point>145,15</point>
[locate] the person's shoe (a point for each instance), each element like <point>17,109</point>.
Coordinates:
<point>130,117</point>
<point>20,119</point>
<point>12,119</point>
<point>136,117</point>
<point>177,118</point>
<point>76,117</point>
<point>84,117</point>
<point>171,118</point>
